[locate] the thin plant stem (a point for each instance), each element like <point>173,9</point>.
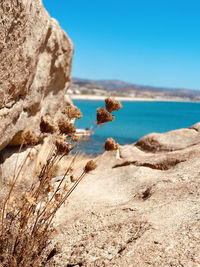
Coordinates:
<point>17,160</point>
<point>10,191</point>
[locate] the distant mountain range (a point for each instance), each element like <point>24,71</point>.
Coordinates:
<point>117,87</point>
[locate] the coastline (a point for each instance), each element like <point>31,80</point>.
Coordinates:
<point>121,98</point>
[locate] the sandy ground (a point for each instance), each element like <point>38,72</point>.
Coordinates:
<point>98,97</point>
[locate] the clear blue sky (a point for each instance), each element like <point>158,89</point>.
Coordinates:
<point>148,42</point>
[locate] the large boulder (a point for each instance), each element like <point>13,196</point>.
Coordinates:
<point>170,141</point>
<point>36,59</point>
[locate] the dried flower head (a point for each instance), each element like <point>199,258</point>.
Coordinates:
<point>75,138</point>
<point>112,105</point>
<point>47,125</point>
<point>90,166</point>
<point>73,179</point>
<point>72,112</point>
<point>103,116</point>
<point>110,144</point>
<point>66,127</point>
<point>62,146</point>
<point>29,137</point>
<point>50,188</point>
<point>58,197</point>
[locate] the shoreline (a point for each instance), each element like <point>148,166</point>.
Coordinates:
<point>125,98</point>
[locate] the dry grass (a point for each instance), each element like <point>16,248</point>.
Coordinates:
<point>60,167</point>
<point>27,214</point>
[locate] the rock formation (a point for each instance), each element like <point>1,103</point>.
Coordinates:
<point>36,59</point>
<point>140,207</point>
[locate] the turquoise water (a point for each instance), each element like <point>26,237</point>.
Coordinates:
<point>135,120</point>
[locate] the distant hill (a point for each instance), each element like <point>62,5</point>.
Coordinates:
<point>125,88</point>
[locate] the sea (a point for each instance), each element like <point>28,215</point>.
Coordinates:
<point>135,120</point>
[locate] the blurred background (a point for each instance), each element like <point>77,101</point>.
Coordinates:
<point>143,51</point>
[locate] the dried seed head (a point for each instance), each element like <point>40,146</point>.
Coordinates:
<point>110,144</point>
<point>103,116</point>
<point>62,146</point>
<point>75,138</point>
<point>72,112</point>
<point>58,197</point>
<point>47,126</point>
<point>29,137</point>
<point>49,188</point>
<point>73,179</point>
<point>112,105</point>
<point>66,127</point>
<point>90,166</point>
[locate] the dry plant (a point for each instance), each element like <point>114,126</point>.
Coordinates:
<point>26,224</point>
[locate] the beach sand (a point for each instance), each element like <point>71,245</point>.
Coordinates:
<point>121,98</point>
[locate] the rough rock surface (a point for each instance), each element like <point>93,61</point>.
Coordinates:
<point>174,140</point>
<point>11,160</point>
<point>140,207</point>
<point>36,59</point>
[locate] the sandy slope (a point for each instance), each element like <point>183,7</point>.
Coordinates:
<point>140,207</point>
